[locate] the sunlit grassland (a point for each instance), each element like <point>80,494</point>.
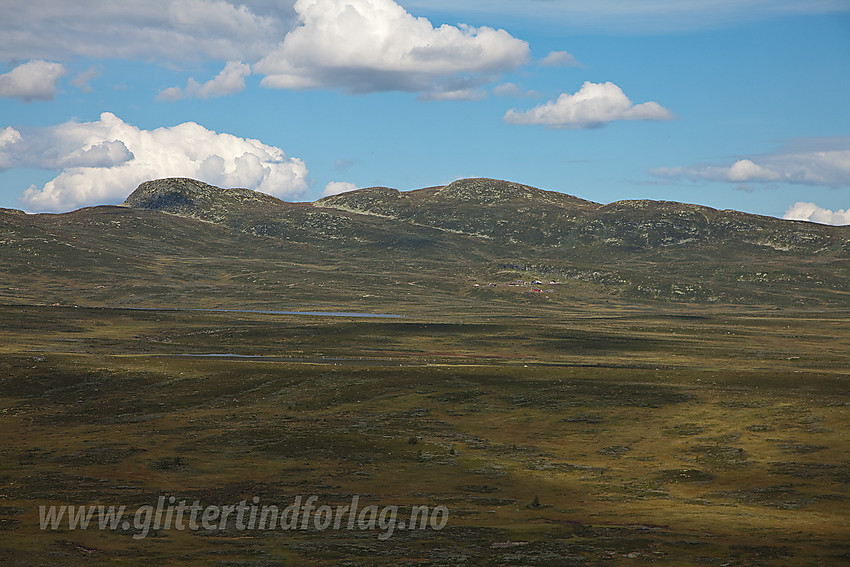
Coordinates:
<point>588,434</point>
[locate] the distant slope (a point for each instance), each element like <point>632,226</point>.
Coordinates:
<point>258,214</point>
<point>496,210</point>
<point>522,214</point>
<point>181,242</point>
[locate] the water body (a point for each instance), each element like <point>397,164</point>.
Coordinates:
<point>312,360</point>
<point>268,312</point>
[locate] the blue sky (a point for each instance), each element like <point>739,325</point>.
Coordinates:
<point>735,105</point>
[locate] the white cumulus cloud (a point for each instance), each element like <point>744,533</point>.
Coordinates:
<point>360,46</point>
<point>33,80</point>
<point>593,106</point>
<point>230,80</point>
<point>745,170</point>
<point>226,30</point>
<point>337,187</point>
<point>103,161</point>
<point>813,213</point>
<point>809,161</point>
<point>9,137</point>
<point>375,45</point>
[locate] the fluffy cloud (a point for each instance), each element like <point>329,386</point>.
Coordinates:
<point>811,161</point>
<point>559,59</point>
<point>246,30</point>
<point>375,45</point>
<point>34,80</point>
<point>337,187</point>
<point>230,80</point>
<point>169,30</point>
<point>358,45</point>
<point>813,213</point>
<point>745,170</point>
<point>9,137</point>
<point>103,161</point>
<point>593,106</point>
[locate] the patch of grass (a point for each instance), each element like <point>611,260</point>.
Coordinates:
<point>169,464</point>
<point>688,429</point>
<point>720,457</point>
<point>685,475</point>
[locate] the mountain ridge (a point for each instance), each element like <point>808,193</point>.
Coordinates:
<point>182,242</point>
<point>495,209</point>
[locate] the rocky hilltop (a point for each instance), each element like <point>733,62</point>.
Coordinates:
<point>193,198</point>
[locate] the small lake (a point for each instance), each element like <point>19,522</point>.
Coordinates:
<point>337,361</point>
<point>269,312</point>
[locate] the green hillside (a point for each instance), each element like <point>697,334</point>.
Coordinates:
<point>180,242</point>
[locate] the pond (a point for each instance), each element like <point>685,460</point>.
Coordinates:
<point>269,312</point>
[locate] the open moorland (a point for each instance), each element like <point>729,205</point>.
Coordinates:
<point>573,384</point>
